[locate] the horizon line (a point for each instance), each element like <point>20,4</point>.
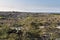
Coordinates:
<point>30,11</point>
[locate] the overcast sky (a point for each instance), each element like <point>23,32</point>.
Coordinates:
<point>30,5</point>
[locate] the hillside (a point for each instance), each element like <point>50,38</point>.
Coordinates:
<point>29,26</point>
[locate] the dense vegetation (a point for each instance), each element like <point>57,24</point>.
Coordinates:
<point>29,26</point>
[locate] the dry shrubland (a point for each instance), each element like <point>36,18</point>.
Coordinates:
<point>33,26</point>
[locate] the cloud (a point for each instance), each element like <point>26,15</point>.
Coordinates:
<point>39,9</point>
<point>28,8</point>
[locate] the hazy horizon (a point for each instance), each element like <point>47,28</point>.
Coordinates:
<point>30,5</point>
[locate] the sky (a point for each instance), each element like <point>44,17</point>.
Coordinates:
<point>30,5</point>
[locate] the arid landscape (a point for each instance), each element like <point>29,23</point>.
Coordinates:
<point>29,19</point>
<point>29,26</point>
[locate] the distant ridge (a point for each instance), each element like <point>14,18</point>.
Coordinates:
<point>32,12</point>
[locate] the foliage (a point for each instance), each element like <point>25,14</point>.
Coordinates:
<point>34,27</point>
